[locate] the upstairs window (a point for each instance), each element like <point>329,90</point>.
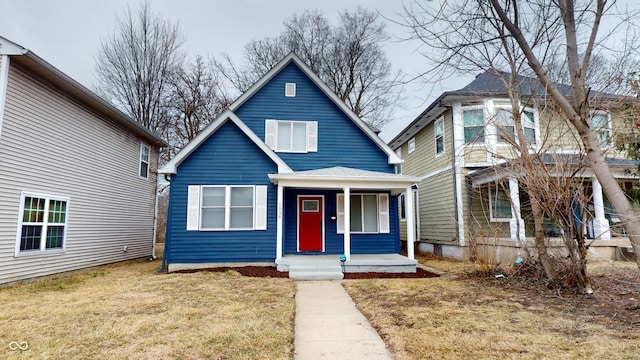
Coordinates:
<point>602,125</point>
<point>473,126</point>
<point>292,136</point>
<point>412,145</point>
<point>439,136</point>
<point>43,223</point>
<point>290,89</point>
<point>145,152</point>
<point>505,125</point>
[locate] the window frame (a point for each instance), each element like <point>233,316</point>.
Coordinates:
<point>493,189</point>
<point>401,207</point>
<point>441,138</point>
<point>290,89</point>
<point>227,208</point>
<point>142,161</point>
<point>599,130</point>
<point>474,142</point>
<point>411,145</point>
<point>383,207</point>
<point>45,224</point>
<point>509,110</point>
<point>272,135</point>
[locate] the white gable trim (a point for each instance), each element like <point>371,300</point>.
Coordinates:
<point>393,158</point>
<point>8,47</point>
<point>4,78</point>
<point>172,166</point>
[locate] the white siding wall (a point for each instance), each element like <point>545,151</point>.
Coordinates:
<point>53,145</point>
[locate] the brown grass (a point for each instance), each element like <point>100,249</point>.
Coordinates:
<point>128,311</point>
<point>470,317</point>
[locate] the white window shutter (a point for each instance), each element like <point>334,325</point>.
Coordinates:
<point>261,208</point>
<point>383,208</point>
<point>193,207</point>
<point>270,133</point>
<point>340,213</point>
<point>312,136</point>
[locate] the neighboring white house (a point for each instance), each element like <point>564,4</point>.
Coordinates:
<point>78,177</point>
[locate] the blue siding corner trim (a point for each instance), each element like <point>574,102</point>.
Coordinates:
<point>340,141</point>
<point>228,157</point>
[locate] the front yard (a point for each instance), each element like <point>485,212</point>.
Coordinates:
<point>481,317</point>
<point>128,311</point>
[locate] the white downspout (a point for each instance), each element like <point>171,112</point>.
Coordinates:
<point>411,230</point>
<point>279,223</point>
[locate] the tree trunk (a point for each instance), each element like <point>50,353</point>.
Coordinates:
<point>541,245</point>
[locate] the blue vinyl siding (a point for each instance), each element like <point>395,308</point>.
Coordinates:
<point>360,243</point>
<point>228,157</point>
<point>340,141</point>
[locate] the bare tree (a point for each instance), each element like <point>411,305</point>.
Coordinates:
<point>196,97</point>
<point>347,57</point>
<point>134,64</point>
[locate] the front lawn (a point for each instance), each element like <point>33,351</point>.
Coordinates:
<point>481,317</point>
<point>129,311</point>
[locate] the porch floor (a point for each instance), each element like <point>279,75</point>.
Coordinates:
<point>393,263</point>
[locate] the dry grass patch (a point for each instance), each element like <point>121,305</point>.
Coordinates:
<point>471,317</point>
<point>128,311</point>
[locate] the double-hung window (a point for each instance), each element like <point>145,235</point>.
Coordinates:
<point>499,203</point>
<point>505,126</point>
<point>473,126</point>
<point>369,213</point>
<point>145,153</point>
<point>602,125</point>
<point>292,136</point>
<point>439,136</point>
<point>226,207</point>
<point>43,223</point>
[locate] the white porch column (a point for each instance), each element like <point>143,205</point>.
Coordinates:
<point>347,222</point>
<point>516,224</point>
<point>600,224</point>
<point>279,210</point>
<point>411,233</point>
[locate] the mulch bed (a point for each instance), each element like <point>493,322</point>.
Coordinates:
<point>268,271</point>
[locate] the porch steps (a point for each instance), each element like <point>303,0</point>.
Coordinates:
<point>316,271</point>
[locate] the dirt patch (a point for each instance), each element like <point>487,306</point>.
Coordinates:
<point>268,271</point>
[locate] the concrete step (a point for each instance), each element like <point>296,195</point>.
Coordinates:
<point>315,271</point>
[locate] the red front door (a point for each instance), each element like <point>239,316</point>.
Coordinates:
<point>310,227</point>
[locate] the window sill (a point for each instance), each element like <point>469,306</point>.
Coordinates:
<point>33,253</point>
<point>500,220</point>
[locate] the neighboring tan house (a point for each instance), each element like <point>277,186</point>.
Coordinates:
<point>287,175</point>
<point>78,179</point>
<point>467,197</point>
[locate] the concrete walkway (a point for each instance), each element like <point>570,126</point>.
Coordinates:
<point>329,326</point>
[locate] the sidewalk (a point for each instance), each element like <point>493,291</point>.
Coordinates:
<point>329,326</point>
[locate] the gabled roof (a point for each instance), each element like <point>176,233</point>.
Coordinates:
<point>172,166</point>
<point>57,78</point>
<point>489,84</point>
<point>292,58</point>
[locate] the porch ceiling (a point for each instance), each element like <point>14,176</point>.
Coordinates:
<point>339,177</point>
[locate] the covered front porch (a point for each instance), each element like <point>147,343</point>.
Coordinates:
<point>503,225</point>
<point>329,214</point>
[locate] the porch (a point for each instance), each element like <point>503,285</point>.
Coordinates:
<point>329,267</point>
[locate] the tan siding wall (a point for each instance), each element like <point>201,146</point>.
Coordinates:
<point>437,208</point>
<point>53,145</point>
<point>481,225</point>
<point>423,160</point>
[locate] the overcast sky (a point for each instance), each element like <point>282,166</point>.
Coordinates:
<point>67,33</point>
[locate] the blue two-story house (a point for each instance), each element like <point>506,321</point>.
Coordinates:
<point>287,170</point>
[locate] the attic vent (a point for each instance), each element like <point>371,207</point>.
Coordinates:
<point>290,89</point>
